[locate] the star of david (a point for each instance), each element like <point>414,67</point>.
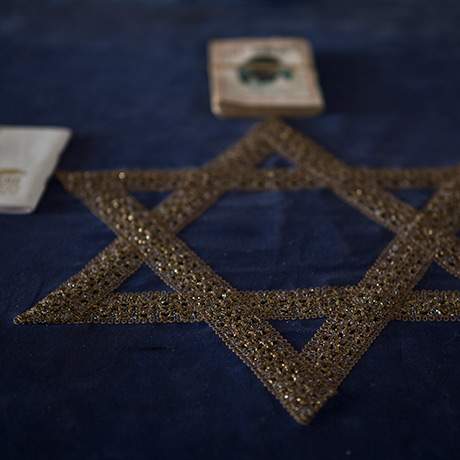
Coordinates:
<point>354,315</point>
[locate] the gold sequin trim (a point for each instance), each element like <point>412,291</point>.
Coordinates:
<point>354,315</point>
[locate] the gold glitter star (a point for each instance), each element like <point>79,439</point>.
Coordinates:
<point>354,315</point>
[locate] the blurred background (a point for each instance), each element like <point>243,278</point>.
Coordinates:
<point>135,72</point>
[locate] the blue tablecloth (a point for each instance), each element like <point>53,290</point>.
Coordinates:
<point>130,79</point>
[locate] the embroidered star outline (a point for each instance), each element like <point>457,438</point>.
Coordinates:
<point>354,315</point>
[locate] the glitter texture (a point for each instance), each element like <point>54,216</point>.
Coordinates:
<point>354,315</point>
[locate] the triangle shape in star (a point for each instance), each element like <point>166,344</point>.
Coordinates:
<point>297,332</point>
<point>437,278</point>
<point>149,199</point>
<point>416,197</point>
<point>276,161</point>
<point>143,280</point>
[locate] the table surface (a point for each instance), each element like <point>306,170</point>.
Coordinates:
<point>130,79</point>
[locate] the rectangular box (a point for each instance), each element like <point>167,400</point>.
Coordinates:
<point>258,77</point>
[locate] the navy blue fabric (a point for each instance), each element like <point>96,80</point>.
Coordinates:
<point>130,79</point>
